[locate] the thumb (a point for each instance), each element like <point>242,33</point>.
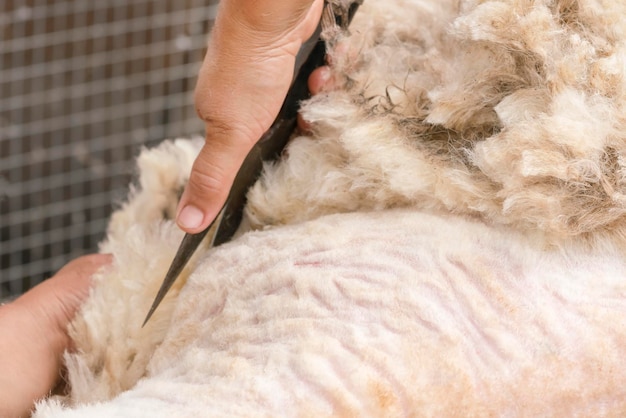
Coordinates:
<point>241,86</point>
<point>210,180</point>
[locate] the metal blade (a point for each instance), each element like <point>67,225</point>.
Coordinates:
<point>268,148</point>
<point>187,247</point>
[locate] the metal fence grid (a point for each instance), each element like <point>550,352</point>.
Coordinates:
<point>83,85</point>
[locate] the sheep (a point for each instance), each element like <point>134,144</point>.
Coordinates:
<point>447,241</point>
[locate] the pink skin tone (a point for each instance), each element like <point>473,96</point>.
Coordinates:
<point>242,83</point>
<point>34,326</point>
<point>241,86</point>
<point>320,80</point>
<point>34,334</point>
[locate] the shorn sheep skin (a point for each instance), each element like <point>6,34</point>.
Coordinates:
<point>448,241</point>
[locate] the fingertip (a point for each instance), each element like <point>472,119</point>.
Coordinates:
<point>86,265</point>
<point>210,180</point>
<point>319,79</point>
<point>190,218</point>
<point>100,258</point>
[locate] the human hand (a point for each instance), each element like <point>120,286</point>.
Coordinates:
<point>242,84</point>
<point>33,334</point>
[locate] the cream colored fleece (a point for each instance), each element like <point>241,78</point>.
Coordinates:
<point>449,241</point>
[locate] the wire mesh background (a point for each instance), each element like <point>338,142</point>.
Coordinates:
<point>83,85</point>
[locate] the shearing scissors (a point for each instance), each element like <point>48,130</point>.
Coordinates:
<point>337,14</point>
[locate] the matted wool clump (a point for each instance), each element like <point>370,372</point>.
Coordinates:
<point>514,111</point>
<point>447,241</point>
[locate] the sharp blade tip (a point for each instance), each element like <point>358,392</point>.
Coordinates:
<point>150,312</point>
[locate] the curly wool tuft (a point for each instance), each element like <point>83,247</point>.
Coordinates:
<point>505,112</point>
<point>512,110</point>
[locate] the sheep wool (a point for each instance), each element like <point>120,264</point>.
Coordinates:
<point>511,111</point>
<point>447,241</point>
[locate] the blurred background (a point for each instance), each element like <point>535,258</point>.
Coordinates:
<point>84,85</point>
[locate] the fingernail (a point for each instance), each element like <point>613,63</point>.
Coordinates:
<point>190,217</point>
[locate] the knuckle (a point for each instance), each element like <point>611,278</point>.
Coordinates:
<point>207,180</point>
<point>218,124</point>
<point>204,184</point>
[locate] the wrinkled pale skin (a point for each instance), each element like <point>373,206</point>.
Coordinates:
<point>241,86</point>
<point>380,313</point>
<point>34,335</point>
<point>469,301</point>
